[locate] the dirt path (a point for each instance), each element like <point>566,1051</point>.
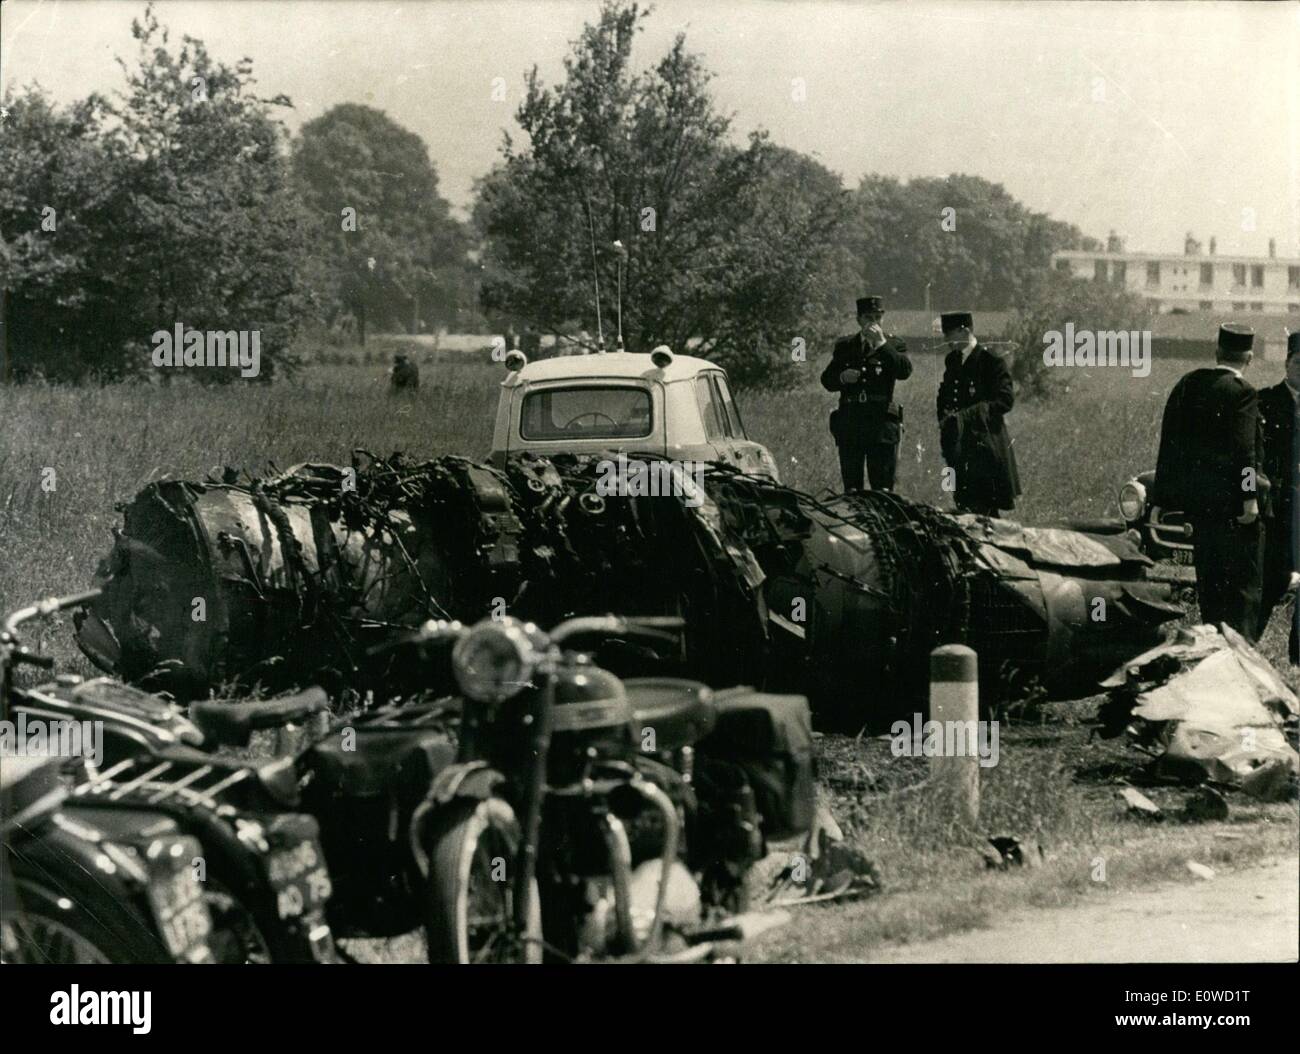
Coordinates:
<point>1247,916</point>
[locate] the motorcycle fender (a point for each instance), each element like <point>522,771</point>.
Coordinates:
<point>469,779</point>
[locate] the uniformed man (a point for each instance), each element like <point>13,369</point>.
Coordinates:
<point>405,374</point>
<point>1209,462</point>
<point>976,393</point>
<point>868,424</point>
<point>1278,409</point>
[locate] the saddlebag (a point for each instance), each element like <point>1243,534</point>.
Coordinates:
<point>770,738</point>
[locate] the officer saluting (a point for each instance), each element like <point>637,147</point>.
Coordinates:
<point>868,423</point>
<point>1210,457</point>
<point>976,393</point>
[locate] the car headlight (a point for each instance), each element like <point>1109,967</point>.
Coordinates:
<point>495,660</point>
<point>1132,501</point>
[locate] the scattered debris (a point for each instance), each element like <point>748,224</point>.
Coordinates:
<point>1205,805</point>
<point>1200,870</point>
<point>1209,707</point>
<point>1139,804</point>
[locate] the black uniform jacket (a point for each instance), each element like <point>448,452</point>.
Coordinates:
<point>1278,412</point>
<point>974,396</point>
<point>1209,437</point>
<point>867,412</point>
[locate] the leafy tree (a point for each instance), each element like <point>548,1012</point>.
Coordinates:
<point>173,206</point>
<point>61,202</point>
<point>384,244</point>
<point>718,246</point>
<point>982,254</point>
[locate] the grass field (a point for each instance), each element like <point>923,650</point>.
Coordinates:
<point>1074,451</point>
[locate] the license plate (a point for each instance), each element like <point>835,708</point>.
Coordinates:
<point>1183,556</point>
<point>182,915</point>
<point>300,879</point>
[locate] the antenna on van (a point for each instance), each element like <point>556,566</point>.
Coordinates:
<point>595,279</point>
<point>622,255</point>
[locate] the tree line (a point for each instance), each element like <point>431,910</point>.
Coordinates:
<point>184,199</point>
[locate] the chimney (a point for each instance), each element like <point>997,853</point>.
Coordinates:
<point>1213,243</point>
<point>1191,247</point>
<point>1272,248</point>
<point>1113,243</point>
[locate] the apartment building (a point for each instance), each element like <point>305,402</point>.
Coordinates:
<point>1193,280</point>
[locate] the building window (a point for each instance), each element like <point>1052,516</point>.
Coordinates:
<point>1153,274</point>
<point>1207,275</point>
<point>1257,276</point>
<point>1206,305</point>
<point>1257,305</point>
<point>1063,265</point>
<point>1099,271</point>
<point>1118,272</point>
<point>1238,276</point>
<point>1293,277</point>
<point>1239,305</point>
<point>1293,307</point>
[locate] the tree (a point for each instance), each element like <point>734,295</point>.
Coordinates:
<point>384,245</point>
<point>61,202</point>
<point>171,206</point>
<point>629,178</point>
<point>971,242</point>
<point>213,237</point>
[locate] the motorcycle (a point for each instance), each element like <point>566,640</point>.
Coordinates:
<point>586,818</point>
<point>83,888</point>
<point>260,863</point>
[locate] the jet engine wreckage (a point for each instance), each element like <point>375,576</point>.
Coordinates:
<point>291,579</point>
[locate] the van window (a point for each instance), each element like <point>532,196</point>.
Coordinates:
<point>587,412</point>
<point>735,427</point>
<point>709,410</point>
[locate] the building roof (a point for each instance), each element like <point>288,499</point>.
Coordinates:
<point>1184,258</point>
<point>615,364</point>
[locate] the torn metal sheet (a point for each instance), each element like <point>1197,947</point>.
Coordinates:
<point>1212,709</point>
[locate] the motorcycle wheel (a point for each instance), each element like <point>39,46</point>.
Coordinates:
<point>469,908</point>
<point>236,937</point>
<point>48,928</point>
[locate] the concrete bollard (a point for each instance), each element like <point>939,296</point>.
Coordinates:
<point>955,696</point>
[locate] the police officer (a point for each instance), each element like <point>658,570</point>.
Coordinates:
<point>1209,461</point>
<point>868,424</point>
<point>1278,410</point>
<point>976,393</point>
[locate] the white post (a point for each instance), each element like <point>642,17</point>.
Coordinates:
<point>955,696</point>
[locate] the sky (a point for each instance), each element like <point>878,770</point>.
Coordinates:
<point>1151,119</point>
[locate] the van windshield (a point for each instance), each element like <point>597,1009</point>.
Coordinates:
<point>587,412</point>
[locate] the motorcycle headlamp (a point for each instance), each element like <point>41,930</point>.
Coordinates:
<point>495,660</point>
<point>1132,501</point>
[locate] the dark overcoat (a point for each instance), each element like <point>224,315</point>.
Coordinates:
<point>974,397</point>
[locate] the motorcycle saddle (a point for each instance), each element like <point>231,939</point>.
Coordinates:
<point>678,711</point>
<point>231,724</point>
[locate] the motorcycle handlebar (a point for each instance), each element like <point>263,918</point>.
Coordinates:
<point>46,607</point>
<point>651,627</point>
